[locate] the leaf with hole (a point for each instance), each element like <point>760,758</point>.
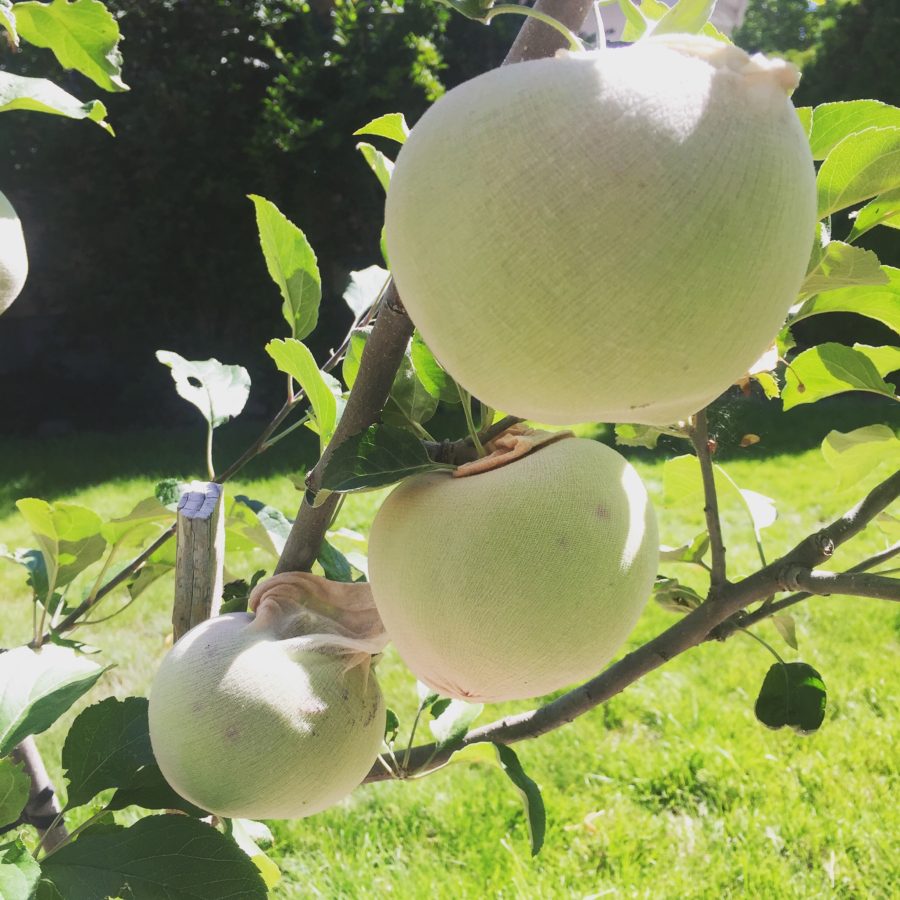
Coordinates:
<point>219,391</point>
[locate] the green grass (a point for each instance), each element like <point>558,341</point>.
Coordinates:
<point>672,789</point>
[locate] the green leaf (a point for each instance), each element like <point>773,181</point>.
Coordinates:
<point>33,562</point>
<point>768,383</point>
<point>683,486</point>
<point>8,21</point>
<point>792,694</point>
<point>105,747</point>
<point>392,125</point>
<point>292,265</point>
<point>453,722</point>
<point>68,536</point>
<point>638,436</point>
<point>172,857</point>
<point>885,359</point>
<point>860,166</point>
<point>530,793</point>
<point>245,834</point>
<point>364,289</point>
<point>295,358</point>
<point>409,400</point>
<point>353,356</point>
<point>14,787</point>
<point>805,114</point>
<point>391,727</point>
<point>692,552</point>
<point>82,35</point>
<point>433,377</point>
<point>842,265</point>
<point>260,525</point>
<point>378,163</point>
<point>376,457</point>
<point>217,390</point>
<point>685,17</point>
<point>854,454</point>
<point>786,626</point>
<point>145,519</point>
<point>832,122</point>
<point>37,687</point>
<point>19,873</point>
<point>881,302</point>
<point>670,594</point>
<point>334,564</point>
<point>830,369</point>
<point>41,95</point>
<point>883,210</point>
<point>635,20</point>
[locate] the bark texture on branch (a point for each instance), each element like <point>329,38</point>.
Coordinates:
<point>536,40</point>
<point>43,807</point>
<point>381,358</point>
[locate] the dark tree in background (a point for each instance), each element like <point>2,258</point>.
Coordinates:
<point>147,240</point>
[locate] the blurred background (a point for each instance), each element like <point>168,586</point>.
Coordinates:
<point>147,241</point>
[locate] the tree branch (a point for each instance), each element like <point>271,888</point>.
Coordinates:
<point>764,612</point>
<point>381,358</point>
<point>688,632</point>
<point>42,810</point>
<point>536,40</point>
<point>699,435</point>
<point>860,585</point>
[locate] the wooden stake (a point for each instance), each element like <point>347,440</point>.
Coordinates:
<point>200,556</point>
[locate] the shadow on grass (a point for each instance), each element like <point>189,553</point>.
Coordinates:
<point>54,467</point>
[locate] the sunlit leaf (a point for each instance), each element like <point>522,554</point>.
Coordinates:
<point>18,92</point>
<point>830,369</point>
<point>391,125</point>
<point>217,390</point>
<point>842,265</point>
<point>81,34</point>
<point>364,288</point>
<point>860,166</point>
<point>292,265</point>
<point>832,122</point>
<point>380,164</point>
<point>883,210</point>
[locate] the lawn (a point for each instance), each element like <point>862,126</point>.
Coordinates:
<point>672,789</point>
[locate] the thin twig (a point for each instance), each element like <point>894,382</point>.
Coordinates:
<point>699,435</point>
<point>861,585</point>
<point>688,632</point>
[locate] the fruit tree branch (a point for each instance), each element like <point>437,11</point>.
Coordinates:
<point>749,619</point>
<point>688,632</point>
<point>861,585</point>
<point>699,435</point>
<point>536,40</point>
<point>380,360</point>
